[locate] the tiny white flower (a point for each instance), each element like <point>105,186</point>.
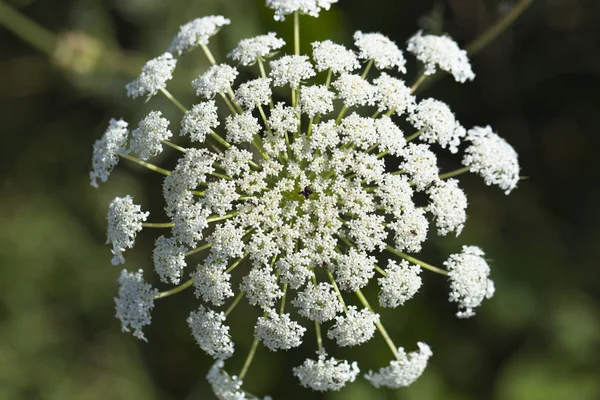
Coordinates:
<point>259,47</point>
<point>335,57</point>
<point>217,79</point>
<point>294,268</point>
<point>326,374</point>
<point>324,136</point>
<point>283,119</point>
<point>420,163</point>
<point>153,77</point>
<point>278,332</point>
<point>315,100</point>
<point>241,127</point>
<point>169,259</point>
<point>448,204</point>
<point>390,138</point>
<point>400,284</point>
<point>235,161</point>
<point>291,70</point>
<point>309,7</point>
<point>210,332</point>
<point>395,194</point>
<point>107,150</point>
<point>124,222</point>
<point>438,124</point>
<point>226,240</point>
<point>196,33</point>
<point>443,52</point>
<point>253,93</point>
<point>135,301</point>
<point>355,328</point>
<point>368,231</point>
<point>190,223</point>
<point>200,120</point>
<point>404,371</point>
<point>211,282</point>
<point>492,158</point>
<point>358,130</point>
<point>354,90</point>
<point>410,230</point>
<point>146,140</point>
<point>353,270</point>
<point>225,387</point>
<point>469,280</point>
<point>261,287</point>
<point>380,49</point>
<point>393,94</point>
<point>318,303</point>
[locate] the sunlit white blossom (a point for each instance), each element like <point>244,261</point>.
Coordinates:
<point>200,120</point>
<point>404,371</point>
<point>354,328</point>
<point>291,70</point>
<point>146,139</point>
<point>210,332</point>
<point>334,57</point>
<point>135,301</point>
<point>196,33</point>
<point>326,374</point>
<point>380,49</point>
<point>354,90</point>
<point>169,259</point>
<point>124,222</point>
<point>278,332</point>
<point>437,124</point>
<point>401,283</point>
<point>217,79</point>
<point>310,7</point>
<point>259,47</point>
<point>107,150</point>
<point>448,205</point>
<point>153,77</point>
<point>254,93</point>
<point>318,303</point>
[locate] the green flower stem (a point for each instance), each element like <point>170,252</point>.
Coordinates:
<point>236,263</point>
<point>234,303</point>
<point>28,30</point>
<point>174,100</point>
<point>380,271</point>
<point>219,139</point>
<point>197,193</point>
<point>259,148</point>
<point>399,172</point>
<point>416,261</point>
<point>383,154</point>
<point>216,218</point>
<point>282,308</point>
<point>389,113</point>
<point>317,326</point>
<point>379,326</point>
<point>455,172</point>
<point>367,69</point>
<point>249,358</point>
<point>337,290</point>
<point>158,224</point>
<point>495,30</point>
<point>309,129</point>
<point>175,290</point>
<point>151,167</point>
<point>264,117</point>
<point>198,249</point>
<point>341,115</point>
<point>173,145</point>
<point>414,136</point>
<point>218,175</point>
<point>328,80</point>
<point>376,114</point>
<point>228,102</point>
<point>417,83</point>
<point>208,53</point>
<point>297,33</point>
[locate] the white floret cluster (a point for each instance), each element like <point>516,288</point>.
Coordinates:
<point>292,203</point>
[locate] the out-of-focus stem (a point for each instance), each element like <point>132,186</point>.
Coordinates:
<point>27,29</point>
<point>455,172</point>
<point>151,167</point>
<point>174,100</point>
<point>175,290</point>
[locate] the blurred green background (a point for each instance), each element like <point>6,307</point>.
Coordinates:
<point>538,85</point>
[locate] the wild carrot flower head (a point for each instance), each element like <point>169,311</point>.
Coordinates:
<point>290,206</point>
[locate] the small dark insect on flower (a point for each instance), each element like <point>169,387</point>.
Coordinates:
<point>307,191</point>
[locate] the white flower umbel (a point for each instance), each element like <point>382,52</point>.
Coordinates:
<point>200,120</point>
<point>335,57</point>
<point>169,259</point>
<point>393,94</point>
<point>210,332</point>
<point>248,51</point>
<point>437,124</point>
<point>135,301</point>
<point>355,328</point>
<point>316,100</point>
<point>441,52</point>
<point>254,93</point>
<point>292,197</point>
<point>354,90</point>
<point>469,280</point>
<point>241,127</point>
<point>196,33</point>
<point>492,158</point>
<point>318,303</point>
<point>310,7</point>
<point>326,374</point>
<point>218,79</point>
<point>107,150</point>
<point>278,332</point>
<point>154,76</point>
<point>400,283</point>
<point>124,222</point>
<point>448,205</point>
<point>404,371</point>
<point>291,70</point>
<point>379,48</point>
<point>146,140</point>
